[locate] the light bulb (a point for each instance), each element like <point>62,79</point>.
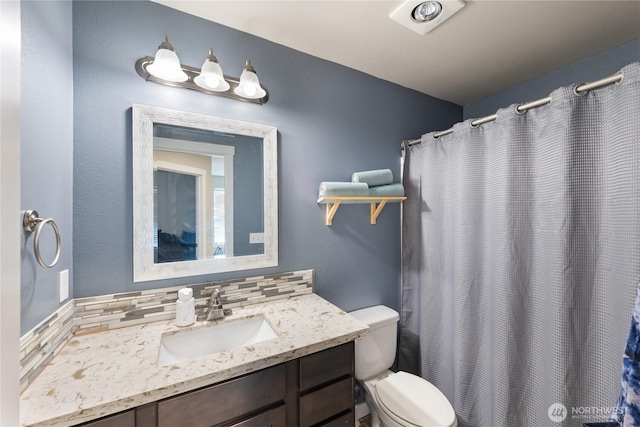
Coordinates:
<point>426,11</point>
<point>249,86</point>
<point>166,65</point>
<point>212,81</point>
<point>250,91</point>
<point>211,77</point>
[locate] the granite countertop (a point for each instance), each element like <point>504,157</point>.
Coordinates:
<point>98,374</point>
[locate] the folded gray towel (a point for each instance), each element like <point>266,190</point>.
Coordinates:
<point>391,190</point>
<point>373,178</point>
<point>343,189</point>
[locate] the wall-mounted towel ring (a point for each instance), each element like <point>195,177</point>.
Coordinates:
<point>31,221</point>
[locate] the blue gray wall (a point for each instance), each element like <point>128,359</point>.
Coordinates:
<point>587,70</point>
<point>331,121</point>
<point>46,150</point>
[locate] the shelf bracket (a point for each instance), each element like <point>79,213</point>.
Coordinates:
<point>332,208</point>
<point>375,211</point>
<point>376,204</point>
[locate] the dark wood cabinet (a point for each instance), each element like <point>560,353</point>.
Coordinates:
<point>272,418</point>
<point>225,402</point>
<point>123,419</point>
<point>326,387</point>
<point>347,419</point>
<point>315,390</point>
<point>326,366</point>
<point>323,404</point>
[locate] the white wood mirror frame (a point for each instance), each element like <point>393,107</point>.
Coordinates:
<point>144,267</point>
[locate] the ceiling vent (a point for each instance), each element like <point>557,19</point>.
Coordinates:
<point>424,16</point>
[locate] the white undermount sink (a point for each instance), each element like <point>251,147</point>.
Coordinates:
<point>202,341</point>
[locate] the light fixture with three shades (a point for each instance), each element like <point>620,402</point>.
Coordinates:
<point>165,68</point>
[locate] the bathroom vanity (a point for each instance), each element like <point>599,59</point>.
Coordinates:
<point>313,390</point>
<point>303,377</point>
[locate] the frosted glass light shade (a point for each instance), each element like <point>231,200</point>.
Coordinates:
<point>249,86</point>
<point>166,65</point>
<point>211,76</point>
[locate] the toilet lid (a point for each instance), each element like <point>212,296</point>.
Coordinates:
<point>415,400</point>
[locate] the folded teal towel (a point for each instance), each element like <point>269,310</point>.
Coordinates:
<point>343,189</point>
<point>391,190</point>
<point>373,178</point>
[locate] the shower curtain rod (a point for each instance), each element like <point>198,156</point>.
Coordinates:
<point>526,106</point>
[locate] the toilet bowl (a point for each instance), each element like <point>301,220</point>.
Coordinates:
<point>395,399</point>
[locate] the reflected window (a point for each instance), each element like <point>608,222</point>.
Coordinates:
<point>218,221</point>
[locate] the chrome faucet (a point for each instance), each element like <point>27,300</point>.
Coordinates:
<point>214,309</point>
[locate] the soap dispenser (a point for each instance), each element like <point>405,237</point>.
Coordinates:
<point>185,307</point>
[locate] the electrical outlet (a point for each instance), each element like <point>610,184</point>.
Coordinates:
<point>256,238</point>
<point>64,285</point>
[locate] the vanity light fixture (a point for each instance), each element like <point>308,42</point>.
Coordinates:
<point>165,68</point>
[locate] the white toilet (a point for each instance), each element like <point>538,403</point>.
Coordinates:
<point>395,399</point>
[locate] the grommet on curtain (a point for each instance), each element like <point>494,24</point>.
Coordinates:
<point>437,135</point>
<point>578,92</point>
<point>519,110</point>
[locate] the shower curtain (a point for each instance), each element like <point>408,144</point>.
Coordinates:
<point>521,256</point>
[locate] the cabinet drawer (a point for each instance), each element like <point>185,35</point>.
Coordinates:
<point>273,418</point>
<point>124,419</point>
<point>326,366</point>
<point>347,420</point>
<point>326,402</point>
<point>224,402</point>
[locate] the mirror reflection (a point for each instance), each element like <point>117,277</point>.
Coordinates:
<point>205,194</point>
<point>197,214</point>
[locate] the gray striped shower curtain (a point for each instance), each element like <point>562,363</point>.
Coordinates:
<point>521,256</point>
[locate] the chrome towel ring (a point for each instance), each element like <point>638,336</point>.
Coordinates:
<point>30,222</point>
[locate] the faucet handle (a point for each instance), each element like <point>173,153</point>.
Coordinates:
<point>215,310</point>
<point>215,297</point>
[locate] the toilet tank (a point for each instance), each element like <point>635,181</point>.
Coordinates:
<point>376,351</point>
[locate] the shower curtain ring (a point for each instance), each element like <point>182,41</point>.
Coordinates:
<point>30,222</point>
<point>578,92</point>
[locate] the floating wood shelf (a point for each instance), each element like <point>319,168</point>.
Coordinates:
<point>377,203</point>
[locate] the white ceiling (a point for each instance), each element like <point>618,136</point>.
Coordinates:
<point>486,47</point>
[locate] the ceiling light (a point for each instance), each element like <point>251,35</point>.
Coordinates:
<point>423,16</point>
<point>427,11</point>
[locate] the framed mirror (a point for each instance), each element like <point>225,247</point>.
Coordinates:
<point>205,194</point>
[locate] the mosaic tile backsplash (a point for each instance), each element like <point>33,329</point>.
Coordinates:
<point>101,313</point>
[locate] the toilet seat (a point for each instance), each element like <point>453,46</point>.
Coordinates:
<point>418,401</point>
<point>393,417</point>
